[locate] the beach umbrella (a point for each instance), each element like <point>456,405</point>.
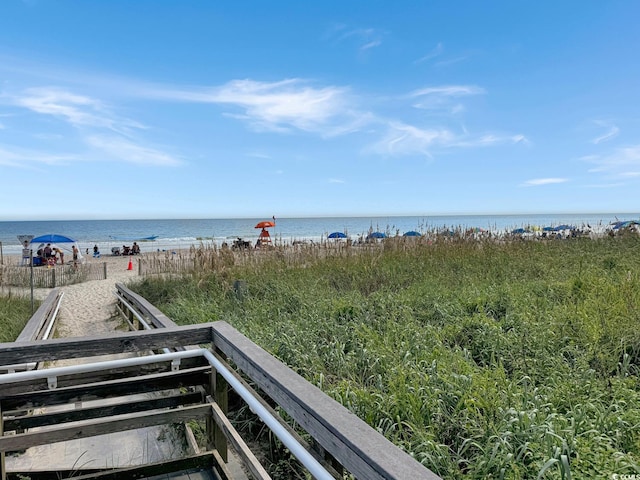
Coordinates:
<point>376,235</point>
<point>520,230</point>
<point>626,224</point>
<point>563,227</point>
<point>52,238</point>
<point>337,235</point>
<point>547,229</point>
<point>412,233</point>
<point>266,224</point>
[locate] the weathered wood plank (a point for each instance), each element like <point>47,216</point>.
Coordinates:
<point>101,376</point>
<point>157,318</point>
<point>92,428</point>
<point>201,461</point>
<point>114,388</point>
<point>357,446</point>
<point>33,327</point>
<point>249,460</point>
<point>78,347</point>
<point>45,419</point>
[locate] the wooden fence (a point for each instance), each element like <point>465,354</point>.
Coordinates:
<point>51,277</point>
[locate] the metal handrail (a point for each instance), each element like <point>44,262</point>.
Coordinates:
<point>51,374</point>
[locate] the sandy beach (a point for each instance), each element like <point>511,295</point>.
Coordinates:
<point>87,308</point>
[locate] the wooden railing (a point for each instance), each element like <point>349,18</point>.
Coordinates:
<point>40,325</point>
<point>340,441</point>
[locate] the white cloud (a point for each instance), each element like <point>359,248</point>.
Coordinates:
<point>366,37</point>
<point>442,97</point>
<point>279,106</point>
<point>536,182</point>
<point>432,54</point>
<point>611,133</point>
<point>78,110</point>
<point>449,91</point>
<point>367,46</point>
<point>404,139</point>
<point>24,158</point>
<point>127,151</point>
<point>336,180</point>
<point>619,163</point>
<point>258,155</point>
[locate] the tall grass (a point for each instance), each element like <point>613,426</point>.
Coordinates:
<point>483,359</point>
<point>15,311</point>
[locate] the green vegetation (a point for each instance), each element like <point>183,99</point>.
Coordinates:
<point>483,359</point>
<point>15,312</point>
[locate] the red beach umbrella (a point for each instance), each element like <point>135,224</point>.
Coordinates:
<point>266,224</point>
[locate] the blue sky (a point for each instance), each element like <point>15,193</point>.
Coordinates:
<point>202,109</point>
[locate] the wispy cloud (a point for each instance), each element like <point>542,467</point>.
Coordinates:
<point>24,158</point>
<point>621,162</point>
<point>258,155</point>
<point>537,182</point>
<point>432,54</point>
<point>611,133</point>
<point>365,38</point>
<point>336,180</point>
<point>126,151</point>
<point>279,106</point>
<point>449,91</point>
<point>404,139</point>
<point>451,61</point>
<point>444,97</point>
<point>77,110</point>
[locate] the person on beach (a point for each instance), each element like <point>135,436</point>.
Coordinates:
<point>75,252</point>
<point>60,253</point>
<point>47,251</point>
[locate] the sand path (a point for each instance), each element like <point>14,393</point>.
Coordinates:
<point>89,309</point>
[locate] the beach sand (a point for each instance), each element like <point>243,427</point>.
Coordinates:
<point>89,309</point>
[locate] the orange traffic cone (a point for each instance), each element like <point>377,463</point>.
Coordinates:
<point>130,267</point>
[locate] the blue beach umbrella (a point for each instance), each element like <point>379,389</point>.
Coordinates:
<point>626,224</point>
<point>52,238</point>
<point>564,227</point>
<point>412,233</point>
<point>337,235</point>
<point>520,230</point>
<point>547,229</point>
<point>376,235</point>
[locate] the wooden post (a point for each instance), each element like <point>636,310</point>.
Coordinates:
<point>105,270</point>
<point>215,435</point>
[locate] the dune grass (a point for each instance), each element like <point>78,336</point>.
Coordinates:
<point>483,359</point>
<point>15,312</point>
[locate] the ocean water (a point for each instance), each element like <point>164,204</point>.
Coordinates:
<point>182,233</point>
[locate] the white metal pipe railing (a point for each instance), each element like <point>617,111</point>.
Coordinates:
<point>52,319</point>
<point>51,374</point>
